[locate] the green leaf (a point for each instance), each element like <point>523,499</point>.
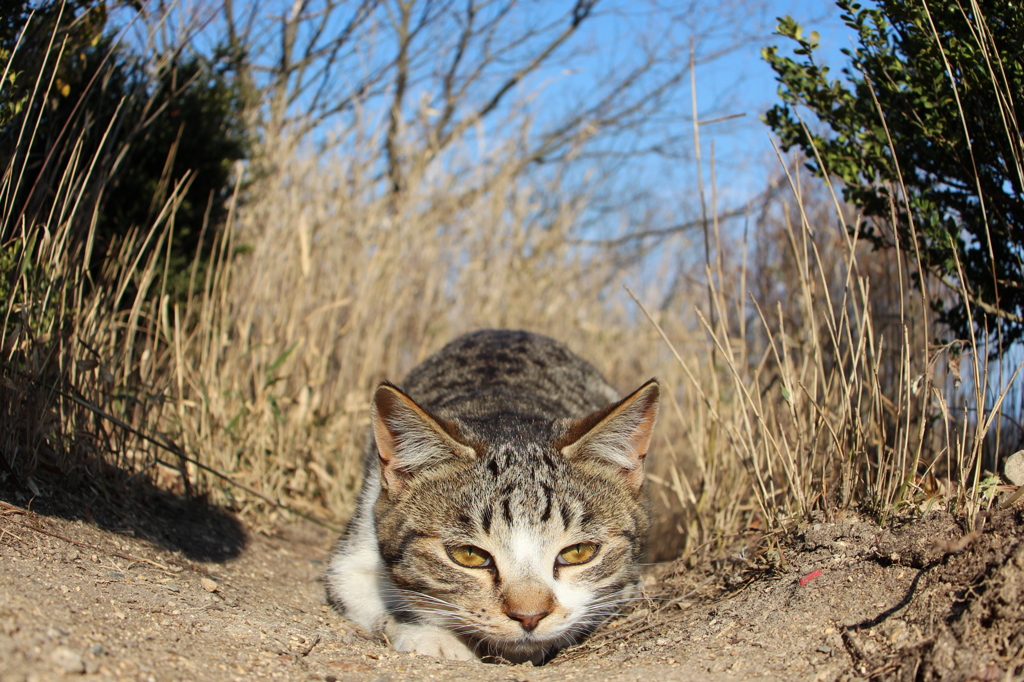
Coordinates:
<point>898,61</point>
<point>280,359</point>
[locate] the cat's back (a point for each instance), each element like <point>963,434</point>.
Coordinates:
<point>494,372</point>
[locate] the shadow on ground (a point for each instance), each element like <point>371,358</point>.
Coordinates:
<point>129,504</point>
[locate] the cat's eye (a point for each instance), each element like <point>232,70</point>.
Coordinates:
<point>470,556</point>
<point>580,553</point>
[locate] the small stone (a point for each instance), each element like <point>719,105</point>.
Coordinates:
<point>208,584</point>
<point>67,660</point>
<point>173,587</point>
<point>1014,468</point>
<point>96,649</point>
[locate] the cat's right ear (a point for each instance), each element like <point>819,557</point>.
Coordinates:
<point>618,436</point>
<point>408,438</point>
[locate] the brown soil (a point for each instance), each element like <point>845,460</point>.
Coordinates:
<point>197,598</point>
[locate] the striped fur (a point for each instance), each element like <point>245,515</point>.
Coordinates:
<point>507,442</point>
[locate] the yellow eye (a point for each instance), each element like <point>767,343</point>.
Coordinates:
<point>470,556</point>
<point>579,553</point>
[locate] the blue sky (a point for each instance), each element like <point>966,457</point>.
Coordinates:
<point>739,82</point>
<point>743,83</point>
<point>736,82</point>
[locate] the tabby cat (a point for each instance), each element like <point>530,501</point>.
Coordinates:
<point>502,512</point>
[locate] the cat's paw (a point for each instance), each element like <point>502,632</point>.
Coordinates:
<point>428,640</point>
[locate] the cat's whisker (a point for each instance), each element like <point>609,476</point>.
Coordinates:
<point>427,603</point>
<point>396,591</point>
<point>568,638</point>
<point>611,598</point>
<point>612,606</point>
<point>422,595</point>
<point>476,647</point>
<point>445,615</point>
<point>606,614</point>
<point>622,600</point>
<point>464,630</point>
<point>607,609</point>
<point>414,601</point>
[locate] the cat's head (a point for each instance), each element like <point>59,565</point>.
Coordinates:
<point>519,536</point>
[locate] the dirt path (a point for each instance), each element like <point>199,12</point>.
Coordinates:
<point>78,599</point>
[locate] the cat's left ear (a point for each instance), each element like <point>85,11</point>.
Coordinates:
<point>617,436</point>
<point>408,438</point>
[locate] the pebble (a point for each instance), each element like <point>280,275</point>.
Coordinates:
<point>208,584</point>
<point>68,660</point>
<point>1014,468</point>
<point>173,587</point>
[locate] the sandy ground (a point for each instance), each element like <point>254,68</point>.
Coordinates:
<point>190,594</point>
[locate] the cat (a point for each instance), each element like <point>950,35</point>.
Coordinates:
<point>502,512</point>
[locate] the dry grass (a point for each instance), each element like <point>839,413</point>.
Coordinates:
<point>819,390</point>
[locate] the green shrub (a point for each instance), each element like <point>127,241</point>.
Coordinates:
<point>117,131</point>
<point>946,79</point>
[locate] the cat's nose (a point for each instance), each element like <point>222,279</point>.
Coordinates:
<point>529,621</point>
